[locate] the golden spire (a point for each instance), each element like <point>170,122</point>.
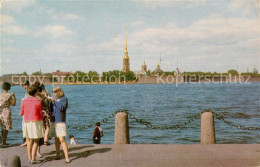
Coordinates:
<point>144,61</point>
<point>158,65</point>
<point>125,40</point>
<point>126,52</point>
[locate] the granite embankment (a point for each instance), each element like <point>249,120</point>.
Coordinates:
<point>144,155</point>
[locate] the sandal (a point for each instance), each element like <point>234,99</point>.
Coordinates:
<point>46,143</point>
<point>57,158</point>
<point>34,162</point>
<point>67,162</point>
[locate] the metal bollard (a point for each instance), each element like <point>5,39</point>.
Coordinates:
<point>207,134</point>
<point>121,129</point>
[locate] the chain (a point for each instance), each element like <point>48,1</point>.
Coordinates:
<point>151,126</point>
<point>103,121</point>
<point>221,118</point>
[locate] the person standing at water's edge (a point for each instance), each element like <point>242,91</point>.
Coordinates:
<point>38,87</point>
<point>47,113</point>
<point>6,100</point>
<point>72,140</point>
<point>59,112</point>
<point>97,134</point>
<point>31,110</point>
<point>26,85</point>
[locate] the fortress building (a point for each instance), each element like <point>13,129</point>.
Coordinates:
<point>144,68</point>
<point>126,59</point>
<point>158,70</point>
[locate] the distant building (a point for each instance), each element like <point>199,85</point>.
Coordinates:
<point>158,70</point>
<point>143,71</point>
<point>126,63</point>
<point>144,67</point>
<point>177,72</point>
<point>61,74</point>
<point>255,71</point>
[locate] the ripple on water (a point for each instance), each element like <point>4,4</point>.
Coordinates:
<point>241,115</point>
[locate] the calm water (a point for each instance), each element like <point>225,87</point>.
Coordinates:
<point>161,105</point>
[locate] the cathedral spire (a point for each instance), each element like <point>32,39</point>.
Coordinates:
<point>126,52</point>
<point>125,39</point>
<point>126,63</point>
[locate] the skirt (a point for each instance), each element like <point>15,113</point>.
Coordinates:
<point>6,118</point>
<point>33,130</point>
<point>60,129</point>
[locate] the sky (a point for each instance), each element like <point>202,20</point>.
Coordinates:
<point>193,35</point>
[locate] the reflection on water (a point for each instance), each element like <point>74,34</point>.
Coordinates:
<point>161,105</point>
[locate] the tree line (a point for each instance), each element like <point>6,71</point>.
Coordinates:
<point>119,76</point>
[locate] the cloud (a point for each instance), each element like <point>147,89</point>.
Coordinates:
<point>9,26</point>
<point>215,31</point>
<point>169,3</point>
<point>249,7</point>
<point>65,48</point>
<point>194,57</point>
<point>64,16</point>
<point>115,44</point>
<point>7,41</point>
<point>17,6</point>
<point>57,30</point>
<point>71,16</point>
<point>54,31</point>
<point>6,20</point>
<point>14,30</point>
<point>136,23</point>
<point>224,31</point>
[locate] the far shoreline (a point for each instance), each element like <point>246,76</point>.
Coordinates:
<point>141,80</point>
<point>139,83</point>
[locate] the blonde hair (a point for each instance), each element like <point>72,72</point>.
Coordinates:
<point>59,91</point>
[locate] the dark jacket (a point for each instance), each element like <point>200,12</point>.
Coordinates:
<point>96,136</point>
<point>59,110</point>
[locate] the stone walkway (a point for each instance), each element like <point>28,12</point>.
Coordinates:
<point>146,155</point>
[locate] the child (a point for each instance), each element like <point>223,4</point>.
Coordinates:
<point>72,140</point>
<point>98,133</point>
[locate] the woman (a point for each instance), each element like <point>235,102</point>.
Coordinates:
<point>6,100</point>
<point>39,96</point>
<point>47,113</point>
<point>59,112</point>
<point>26,85</point>
<point>31,110</point>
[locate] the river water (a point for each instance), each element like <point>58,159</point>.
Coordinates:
<point>160,104</point>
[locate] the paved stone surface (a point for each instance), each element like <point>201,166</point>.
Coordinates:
<point>146,155</point>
